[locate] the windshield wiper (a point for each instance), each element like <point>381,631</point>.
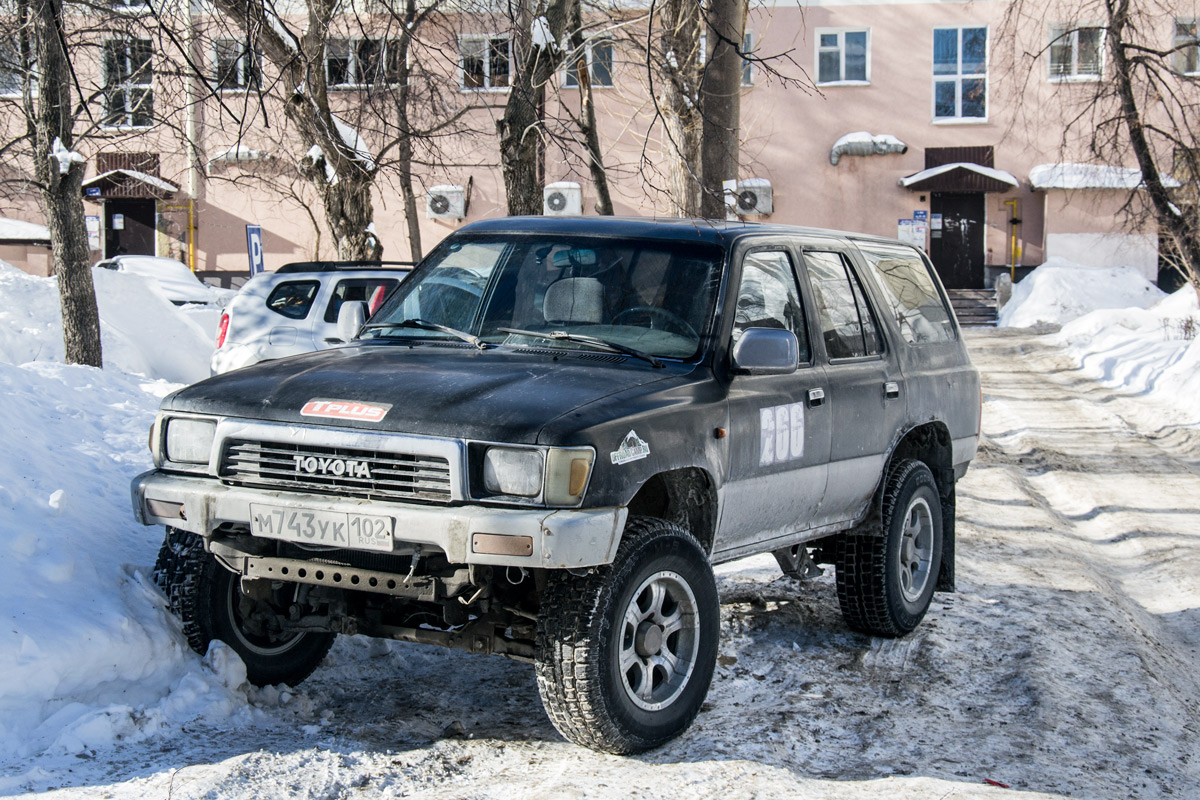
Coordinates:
<point>430,326</point>
<point>594,341</point>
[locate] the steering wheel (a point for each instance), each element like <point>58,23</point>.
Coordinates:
<point>669,318</point>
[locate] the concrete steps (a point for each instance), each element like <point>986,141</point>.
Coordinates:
<point>975,308</point>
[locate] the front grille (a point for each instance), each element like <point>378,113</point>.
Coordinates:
<point>392,476</point>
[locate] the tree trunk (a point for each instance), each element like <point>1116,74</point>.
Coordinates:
<point>587,117</point>
<point>678,96</point>
<point>62,193</point>
<point>720,102</point>
<point>404,150</point>
<point>1170,219</point>
<point>519,128</point>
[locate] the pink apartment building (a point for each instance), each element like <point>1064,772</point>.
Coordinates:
<point>915,124</point>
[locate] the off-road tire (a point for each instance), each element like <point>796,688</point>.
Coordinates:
<point>868,562</point>
<point>579,641</point>
<point>198,592</point>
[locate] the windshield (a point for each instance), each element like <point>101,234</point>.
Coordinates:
<point>648,297</point>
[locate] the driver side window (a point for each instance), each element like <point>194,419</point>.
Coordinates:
<point>767,298</point>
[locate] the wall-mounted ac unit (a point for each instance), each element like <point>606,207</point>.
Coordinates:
<point>754,197</point>
<point>445,202</point>
<point>562,199</point>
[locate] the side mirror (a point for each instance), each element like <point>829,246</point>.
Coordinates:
<point>766,351</point>
<point>351,317</point>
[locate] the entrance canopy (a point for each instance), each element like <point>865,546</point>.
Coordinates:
<point>129,183</point>
<point>961,176</point>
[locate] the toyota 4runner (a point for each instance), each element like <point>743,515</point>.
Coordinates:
<point>540,444</point>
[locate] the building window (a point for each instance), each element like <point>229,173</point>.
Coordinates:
<point>1076,53</point>
<point>1186,41</point>
<point>351,63</point>
<point>599,55</point>
<point>959,73</point>
<point>238,67</point>
<point>13,69</point>
<point>128,83</point>
<point>483,62</point>
<point>842,55</point>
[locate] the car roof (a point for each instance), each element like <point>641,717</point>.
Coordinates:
<point>339,266</point>
<point>719,232</point>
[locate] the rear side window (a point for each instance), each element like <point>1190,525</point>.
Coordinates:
<point>293,299</point>
<point>910,293</point>
<point>371,291</point>
<point>849,329</point>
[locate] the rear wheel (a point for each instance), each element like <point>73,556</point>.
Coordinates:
<point>886,578</point>
<point>208,599</point>
<point>625,654</point>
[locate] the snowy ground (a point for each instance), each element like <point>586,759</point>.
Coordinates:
<point>1065,666</point>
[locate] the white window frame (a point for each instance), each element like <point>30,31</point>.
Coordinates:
<point>1068,33</point>
<point>1182,41</point>
<point>568,80</point>
<point>959,76</point>
<point>354,80</point>
<point>487,64</point>
<point>241,66</point>
<point>841,51</point>
<point>128,87</point>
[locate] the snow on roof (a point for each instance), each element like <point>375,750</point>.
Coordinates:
<point>157,183</point>
<point>354,143</point>
<point>987,172</point>
<point>1089,176</point>
<point>18,231</point>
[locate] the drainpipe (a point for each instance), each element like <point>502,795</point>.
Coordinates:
<point>189,101</point>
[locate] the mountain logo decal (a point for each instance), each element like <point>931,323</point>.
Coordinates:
<point>632,449</point>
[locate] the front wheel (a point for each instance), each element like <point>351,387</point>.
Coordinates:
<point>208,599</point>
<point>625,654</point>
<point>886,578</point>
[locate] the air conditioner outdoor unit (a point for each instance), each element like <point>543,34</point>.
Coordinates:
<point>754,197</point>
<point>562,199</point>
<point>445,202</point>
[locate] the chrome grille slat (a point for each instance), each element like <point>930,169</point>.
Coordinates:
<point>394,476</point>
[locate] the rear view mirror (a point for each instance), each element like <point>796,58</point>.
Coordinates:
<point>766,351</point>
<point>351,317</point>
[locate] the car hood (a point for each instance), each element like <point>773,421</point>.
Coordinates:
<point>501,394</point>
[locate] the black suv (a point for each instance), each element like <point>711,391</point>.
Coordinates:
<point>545,437</point>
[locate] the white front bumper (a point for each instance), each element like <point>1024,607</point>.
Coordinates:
<point>561,538</point>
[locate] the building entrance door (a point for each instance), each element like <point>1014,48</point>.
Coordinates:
<point>128,227</point>
<point>957,249</point>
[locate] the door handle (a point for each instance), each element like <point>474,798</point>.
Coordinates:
<point>816,397</point>
<point>891,390</point>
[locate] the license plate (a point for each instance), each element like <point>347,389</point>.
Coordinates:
<point>326,528</point>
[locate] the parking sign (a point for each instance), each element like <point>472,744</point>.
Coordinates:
<point>254,248</point>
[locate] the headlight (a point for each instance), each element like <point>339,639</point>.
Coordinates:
<point>189,441</point>
<point>510,471</point>
<point>567,471</point>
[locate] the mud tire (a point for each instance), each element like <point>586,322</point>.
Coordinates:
<point>580,641</point>
<point>876,593</point>
<point>203,594</point>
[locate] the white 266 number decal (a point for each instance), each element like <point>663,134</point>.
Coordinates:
<point>780,433</point>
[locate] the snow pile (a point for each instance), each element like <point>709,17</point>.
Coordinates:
<point>19,230</point>
<point>88,653</point>
<point>1089,176</point>
<point>1153,352</point>
<point>1060,291</point>
<point>141,331</point>
<point>64,157</point>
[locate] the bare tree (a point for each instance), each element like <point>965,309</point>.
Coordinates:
<point>1142,105</point>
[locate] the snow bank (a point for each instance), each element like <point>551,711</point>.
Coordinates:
<point>1152,352</point>
<point>88,653</point>
<point>1060,291</point>
<point>141,331</point>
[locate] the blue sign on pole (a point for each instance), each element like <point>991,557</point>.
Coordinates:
<point>254,248</point>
